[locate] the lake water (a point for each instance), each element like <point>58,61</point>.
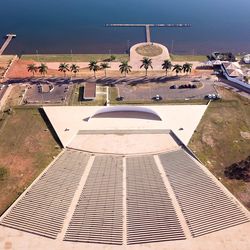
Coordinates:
<point>59,26</point>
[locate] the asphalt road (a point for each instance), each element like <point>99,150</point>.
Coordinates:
<point>146,92</point>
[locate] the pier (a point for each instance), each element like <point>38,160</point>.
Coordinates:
<point>148,36</point>
<point>148,26</point>
<point>9,37</point>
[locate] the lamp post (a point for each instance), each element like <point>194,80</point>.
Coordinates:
<point>172,47</point>
<point>37,56</point>
<point>71,53</point>
<point>128,45</point>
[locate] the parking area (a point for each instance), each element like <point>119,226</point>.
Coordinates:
<point>167,91</point>
<point>47,93</point>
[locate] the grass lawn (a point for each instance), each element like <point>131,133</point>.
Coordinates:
<point>26,148</point>
<point>187,58</point>
<point>4,62</point>
<point>219,140</point>
<point>73,58</point>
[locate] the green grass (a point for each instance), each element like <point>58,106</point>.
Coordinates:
<point>72,58</point>
<point>113,94</point>
<point>218,142</point>
<point>187,58</point>
<point>26,148</point>
<point>5,58</point>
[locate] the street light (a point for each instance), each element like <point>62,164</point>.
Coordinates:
<point>37,56</point>
<point>71,55</point>
<point>172,47</point>
<point>128,44</point>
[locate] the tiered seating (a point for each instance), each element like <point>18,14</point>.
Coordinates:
<point>98,216</point>
<point>151,216</point>
<point>204,204</point>
<point>43,209</point>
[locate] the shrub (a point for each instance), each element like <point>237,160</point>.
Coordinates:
<point>239,171</point>
<point>3,173</point>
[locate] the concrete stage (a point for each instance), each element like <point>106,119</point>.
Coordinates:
<point>69,120</point>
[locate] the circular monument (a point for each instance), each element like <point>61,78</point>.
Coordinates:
<point>157,52</point>
<point>149,50</point>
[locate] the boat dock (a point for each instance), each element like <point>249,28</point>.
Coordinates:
<point>9,37</point>
<point>148,26</point>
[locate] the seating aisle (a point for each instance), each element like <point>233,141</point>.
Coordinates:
<point>151,216</point>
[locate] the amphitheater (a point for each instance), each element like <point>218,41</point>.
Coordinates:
<point>125,179</point>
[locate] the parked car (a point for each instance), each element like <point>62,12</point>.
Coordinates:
<point>157,98</point>
<point>196,80</point>
<point>173,87</point>
<point>120,98</point>
<point>212,97</point>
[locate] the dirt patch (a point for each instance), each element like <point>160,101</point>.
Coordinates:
<point>245,135</point>
<point>7,245</point>
<point>26,148</point>
<point>19,70</point>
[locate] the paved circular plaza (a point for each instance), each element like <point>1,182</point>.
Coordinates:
<point>157,52</point>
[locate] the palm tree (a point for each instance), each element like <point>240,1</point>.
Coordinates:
<point>74,68</point>
<point>146,63</point>
<point>125,68</point>
<point>105,66</point>
<point>32,68</point>
<point>63,67</point>
<point>94,66</point>
<point>177,68</point>
<point>187,67</point>
<point>43,69</point>
<point>167,65</point>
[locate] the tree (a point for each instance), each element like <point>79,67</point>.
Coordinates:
<point>112,58</point>
<point>93,66</point>
<point>187,67</point>
<point>43,69</point>
<point>167,65</point>
<point>105,66</point>
<point>63,67</point>
<point>74,68</point>
<point>177,68</point>
<point>125,68</point>
<point>146,63</point>
<point>32,68</point>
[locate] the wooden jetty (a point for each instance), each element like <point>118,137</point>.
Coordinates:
<point>148,26</point>
<point>9,37</point>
